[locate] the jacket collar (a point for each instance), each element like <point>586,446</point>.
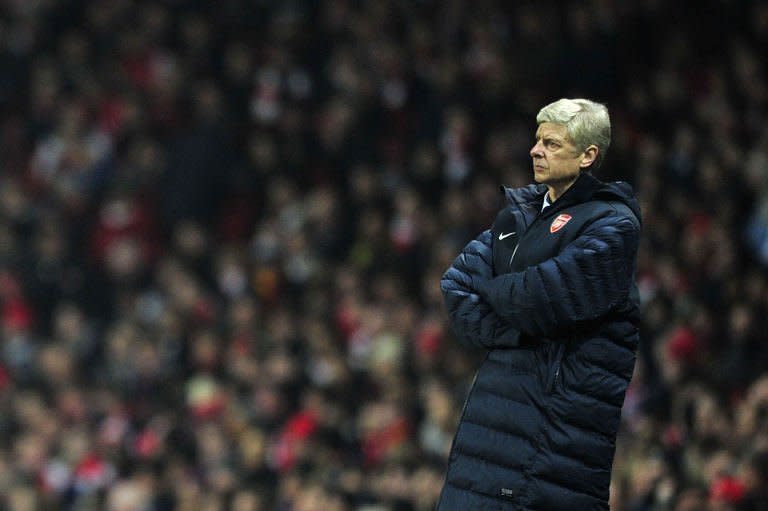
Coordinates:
<point>528,199</point>
<point>582,190</point>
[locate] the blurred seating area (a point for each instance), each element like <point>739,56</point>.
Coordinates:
<point>223,225</point>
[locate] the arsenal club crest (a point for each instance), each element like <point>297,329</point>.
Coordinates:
<point>559,222</point>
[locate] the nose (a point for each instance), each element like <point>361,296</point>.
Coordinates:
<point>537,151</point>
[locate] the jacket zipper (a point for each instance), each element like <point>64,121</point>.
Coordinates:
<point>547,212</point>
<point>557,376</point>
<point>558,361</point>
<point>513,253</point>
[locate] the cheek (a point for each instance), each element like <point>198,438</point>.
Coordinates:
<point>561,162</point>
<point>555,162</point>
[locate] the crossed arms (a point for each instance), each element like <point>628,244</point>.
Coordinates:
<point>589,278</point>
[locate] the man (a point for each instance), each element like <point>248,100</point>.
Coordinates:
<point>549,292</point>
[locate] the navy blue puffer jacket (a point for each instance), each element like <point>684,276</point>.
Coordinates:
<point>552,298</point>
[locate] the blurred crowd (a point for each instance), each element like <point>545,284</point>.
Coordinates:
<point>223,224</point>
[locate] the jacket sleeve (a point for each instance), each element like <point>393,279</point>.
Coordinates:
<point>472,318</point>
<point>591,277</point>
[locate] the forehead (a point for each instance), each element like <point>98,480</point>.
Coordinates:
<point>552,130</point>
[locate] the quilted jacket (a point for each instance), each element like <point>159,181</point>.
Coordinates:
<point>551,297</point>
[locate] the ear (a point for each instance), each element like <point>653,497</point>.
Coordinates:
<point>590,155</point>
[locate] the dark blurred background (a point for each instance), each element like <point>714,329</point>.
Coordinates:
<point>223,224</point>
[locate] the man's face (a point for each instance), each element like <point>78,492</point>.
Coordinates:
<point>556,161</point>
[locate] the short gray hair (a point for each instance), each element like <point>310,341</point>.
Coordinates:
<point>587,123</point>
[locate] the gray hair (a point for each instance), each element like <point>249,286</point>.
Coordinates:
<point>587,123</point>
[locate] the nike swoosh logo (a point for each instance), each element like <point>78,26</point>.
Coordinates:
<point>502,235</point>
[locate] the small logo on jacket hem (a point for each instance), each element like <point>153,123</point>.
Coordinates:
<point>559,222</point>
<point>506,492</point>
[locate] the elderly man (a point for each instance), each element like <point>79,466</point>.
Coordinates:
<point>549,292</point>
